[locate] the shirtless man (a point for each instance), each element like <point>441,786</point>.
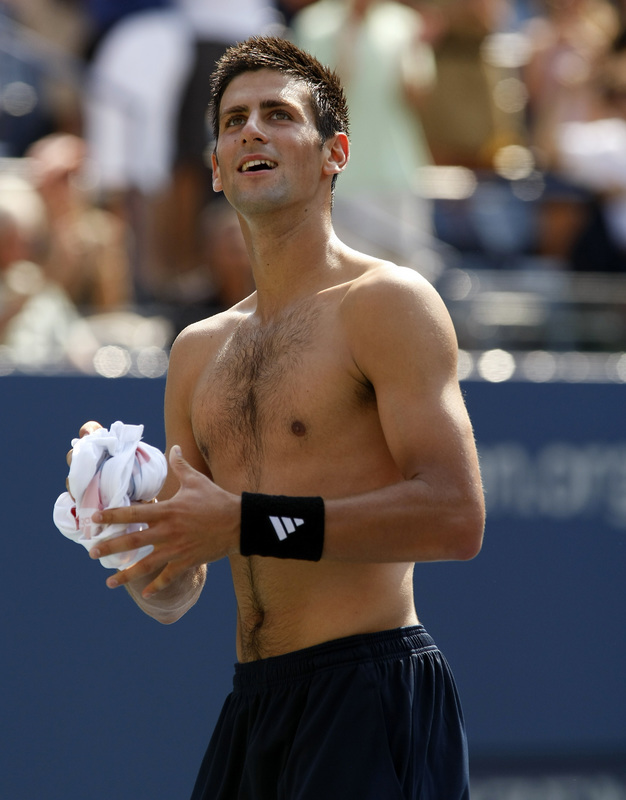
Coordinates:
<point>328,398</point>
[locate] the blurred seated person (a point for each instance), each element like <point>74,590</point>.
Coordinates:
<point>592,154</point>
<point>37,319</point>
<point>387,69</point>
<point>87,250</point>
<point>463,123</point>
<point>224,276</point>
<point>139,64</point>
<point>215,25</point>
<point>566,39</point>
<point>14,292</point>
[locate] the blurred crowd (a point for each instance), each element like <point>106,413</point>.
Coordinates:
<point>488,138</point>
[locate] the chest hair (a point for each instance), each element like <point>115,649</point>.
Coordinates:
<point>253,384</point>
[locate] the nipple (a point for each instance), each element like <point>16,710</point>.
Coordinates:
<point>298,428</point>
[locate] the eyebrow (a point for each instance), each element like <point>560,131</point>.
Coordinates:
<point>264,104</point>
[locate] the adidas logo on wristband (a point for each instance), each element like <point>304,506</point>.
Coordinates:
<point>285,525</point>
<point>267,522</point>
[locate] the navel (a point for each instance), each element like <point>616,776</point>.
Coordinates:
<point>298,428</point>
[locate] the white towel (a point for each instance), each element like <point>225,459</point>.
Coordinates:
<point>109,469</point>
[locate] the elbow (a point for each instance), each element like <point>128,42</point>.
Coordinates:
<point>469,539</point>
<point>471,548</point>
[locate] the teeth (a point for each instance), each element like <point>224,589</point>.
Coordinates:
<point>258,163</point>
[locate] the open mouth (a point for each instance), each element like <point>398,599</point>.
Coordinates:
<point>258,165</point>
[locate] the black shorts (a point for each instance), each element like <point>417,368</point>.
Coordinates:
<point>371,717</point>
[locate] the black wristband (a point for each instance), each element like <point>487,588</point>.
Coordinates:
<point>282,527</point>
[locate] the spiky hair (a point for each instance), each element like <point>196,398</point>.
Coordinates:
<point>271,52</point>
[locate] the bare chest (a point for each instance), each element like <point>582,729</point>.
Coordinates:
<point>275,395</point>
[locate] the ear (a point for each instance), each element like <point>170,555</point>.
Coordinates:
<point>337,154</point>
<point>217,181</point>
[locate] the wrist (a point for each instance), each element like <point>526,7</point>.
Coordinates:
<point>279,526</point>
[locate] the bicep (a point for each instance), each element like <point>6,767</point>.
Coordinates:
<point>177,416</point>
<point>428,433</point>
<point>410,357</point>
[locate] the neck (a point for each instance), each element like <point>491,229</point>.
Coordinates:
<point>290,258</point>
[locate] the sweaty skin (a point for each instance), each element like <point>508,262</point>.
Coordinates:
<point>337,378</point>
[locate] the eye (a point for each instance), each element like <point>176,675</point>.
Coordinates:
<point>236,119</point>
<point>280,114</point>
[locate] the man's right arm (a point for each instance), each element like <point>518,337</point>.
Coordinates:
<point>170,604</point>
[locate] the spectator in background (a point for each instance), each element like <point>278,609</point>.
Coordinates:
<point>13,293</point>
<point>140,61</point>
<point>86,250</point>
<point>565,43</point>
<point>104,15</point>
<point>386,68</point>
<point>37,318</point>
<point>214,26</point>
<point>463,124</point>
<point>55,42</point>
<point>24,113</point>
<point>592,154</point>
<point>224,276</point>
<point>289,8</point>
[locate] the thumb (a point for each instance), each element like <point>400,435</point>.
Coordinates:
<point>177,462</point>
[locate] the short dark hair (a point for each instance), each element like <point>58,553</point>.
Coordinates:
<point>272,52</point>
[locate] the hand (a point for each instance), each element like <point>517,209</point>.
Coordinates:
<point>198,525</point>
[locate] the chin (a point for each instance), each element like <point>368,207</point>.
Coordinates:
<point>258,202</point>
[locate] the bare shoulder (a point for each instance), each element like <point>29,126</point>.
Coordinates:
<point>393,308</point>
<point>205,337</point>
<point>197,346</point>
<point>383,282</point>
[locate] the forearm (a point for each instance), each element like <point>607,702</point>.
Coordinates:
<point>407,521</point>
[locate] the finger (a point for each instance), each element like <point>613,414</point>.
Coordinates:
<point>136,513</point>
<point>88,427</point>
<point>180,467</point>
<point>142,569</point>
<point>123,543</point>
<point>166,577</point>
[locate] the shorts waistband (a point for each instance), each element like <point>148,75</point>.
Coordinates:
<point>365,647</point>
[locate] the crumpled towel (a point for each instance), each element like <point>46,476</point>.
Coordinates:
<point>109,469</point>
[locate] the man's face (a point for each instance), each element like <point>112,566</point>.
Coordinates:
<point>269,152</point>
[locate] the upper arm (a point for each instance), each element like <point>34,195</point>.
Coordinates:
<point>410,357</point>
<point>181,381</point>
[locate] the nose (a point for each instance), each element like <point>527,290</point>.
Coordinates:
<point>253,130</point>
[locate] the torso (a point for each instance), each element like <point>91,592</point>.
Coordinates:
<point>282,408</point>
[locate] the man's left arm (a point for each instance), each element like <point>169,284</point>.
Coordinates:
<point>410,358</point>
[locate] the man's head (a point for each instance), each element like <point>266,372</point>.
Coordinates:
<point>268,52</point>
